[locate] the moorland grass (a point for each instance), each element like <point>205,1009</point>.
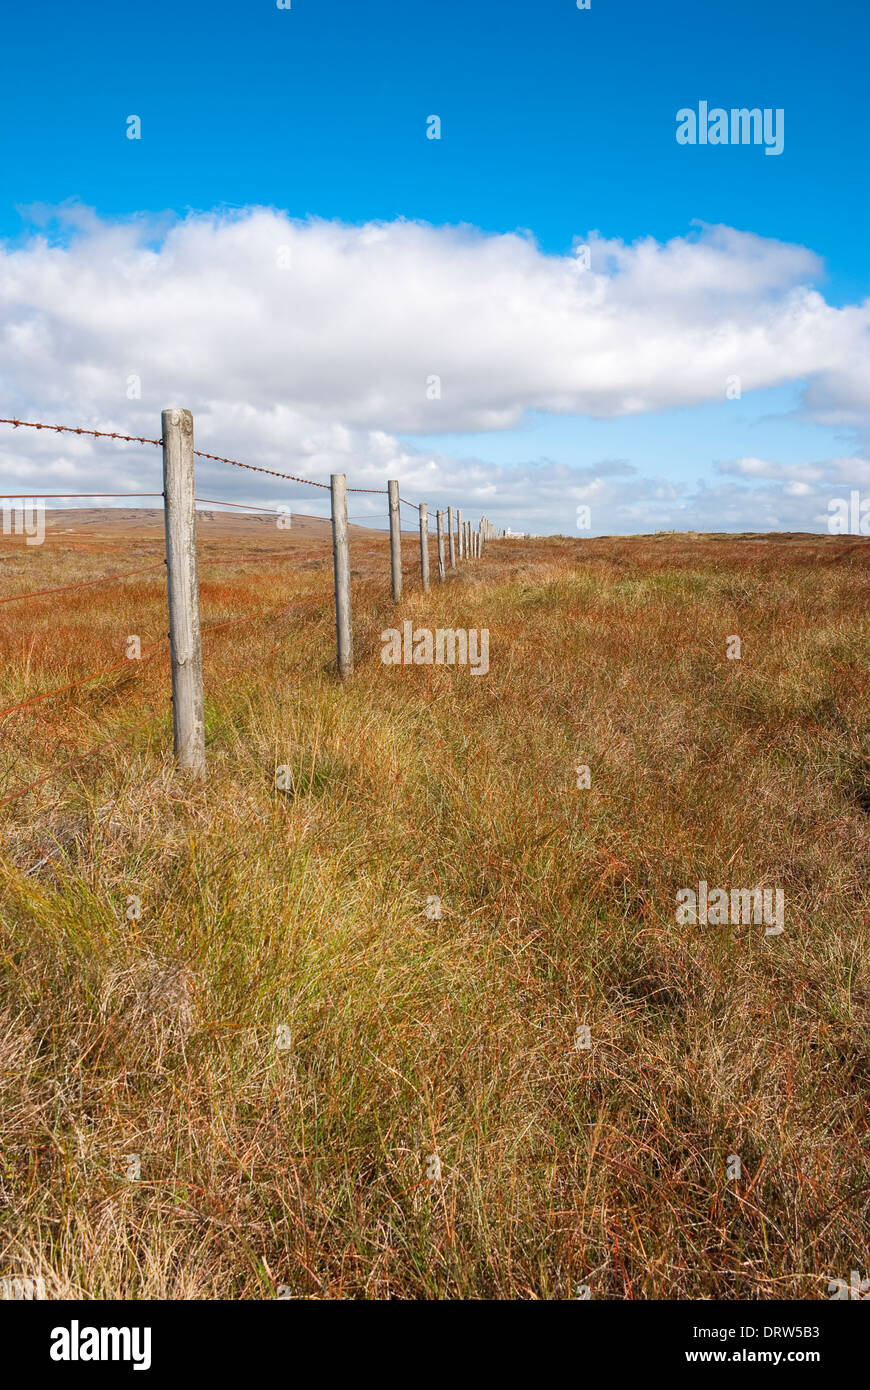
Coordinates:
<point>284,1033</point>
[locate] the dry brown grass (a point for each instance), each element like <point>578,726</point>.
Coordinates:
<point>306,1166</point>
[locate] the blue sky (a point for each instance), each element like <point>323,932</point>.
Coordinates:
<point>555,122</point>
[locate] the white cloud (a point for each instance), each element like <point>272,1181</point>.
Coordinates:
<point>307,346</point>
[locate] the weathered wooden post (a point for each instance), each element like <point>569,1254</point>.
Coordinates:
<point>341,564</point>
<point>439,526</point>
<point>395,539</point>
<point>460,533</point>
<point>185,635</point>
<point>424,546</point>
<point>451,538</point>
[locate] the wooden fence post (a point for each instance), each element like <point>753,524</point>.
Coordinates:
<point>424,546</point>
<point>341,564</point>
<point>460,533</point>
<point>185,636</point>
<point>439,526</point>
<point>451,538</point>
<point>395,540</point>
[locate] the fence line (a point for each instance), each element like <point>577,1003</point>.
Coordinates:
<point>460,542</point>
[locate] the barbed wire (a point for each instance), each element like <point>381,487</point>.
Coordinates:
<point>256,468</point>
<point>199,453</point>
<point>78,429</point>
<point>291,477</point>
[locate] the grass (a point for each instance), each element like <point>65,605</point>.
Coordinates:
<point>300,915</point>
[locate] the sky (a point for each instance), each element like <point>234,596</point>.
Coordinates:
<point>555,305</point>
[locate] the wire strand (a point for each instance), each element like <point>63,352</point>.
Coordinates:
<point>60,690</point>
<point>37,495</point>
<point>199,453</point>
<point>274,511</point>
<point>80,758</point>
<point>274,612</point>
<point>78,429</point>
<point>291,477</point>
<point>86,584</point>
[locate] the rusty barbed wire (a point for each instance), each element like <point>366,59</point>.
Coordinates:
<point>256,468</point>
<point>78,429</point>
<point>291,477</point>
<point>199,453</point>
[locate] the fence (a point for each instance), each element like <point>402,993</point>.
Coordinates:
<point>184,642</point>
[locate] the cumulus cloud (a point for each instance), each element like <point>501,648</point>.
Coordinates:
<point>310,347</point>
<point>783,496</point>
